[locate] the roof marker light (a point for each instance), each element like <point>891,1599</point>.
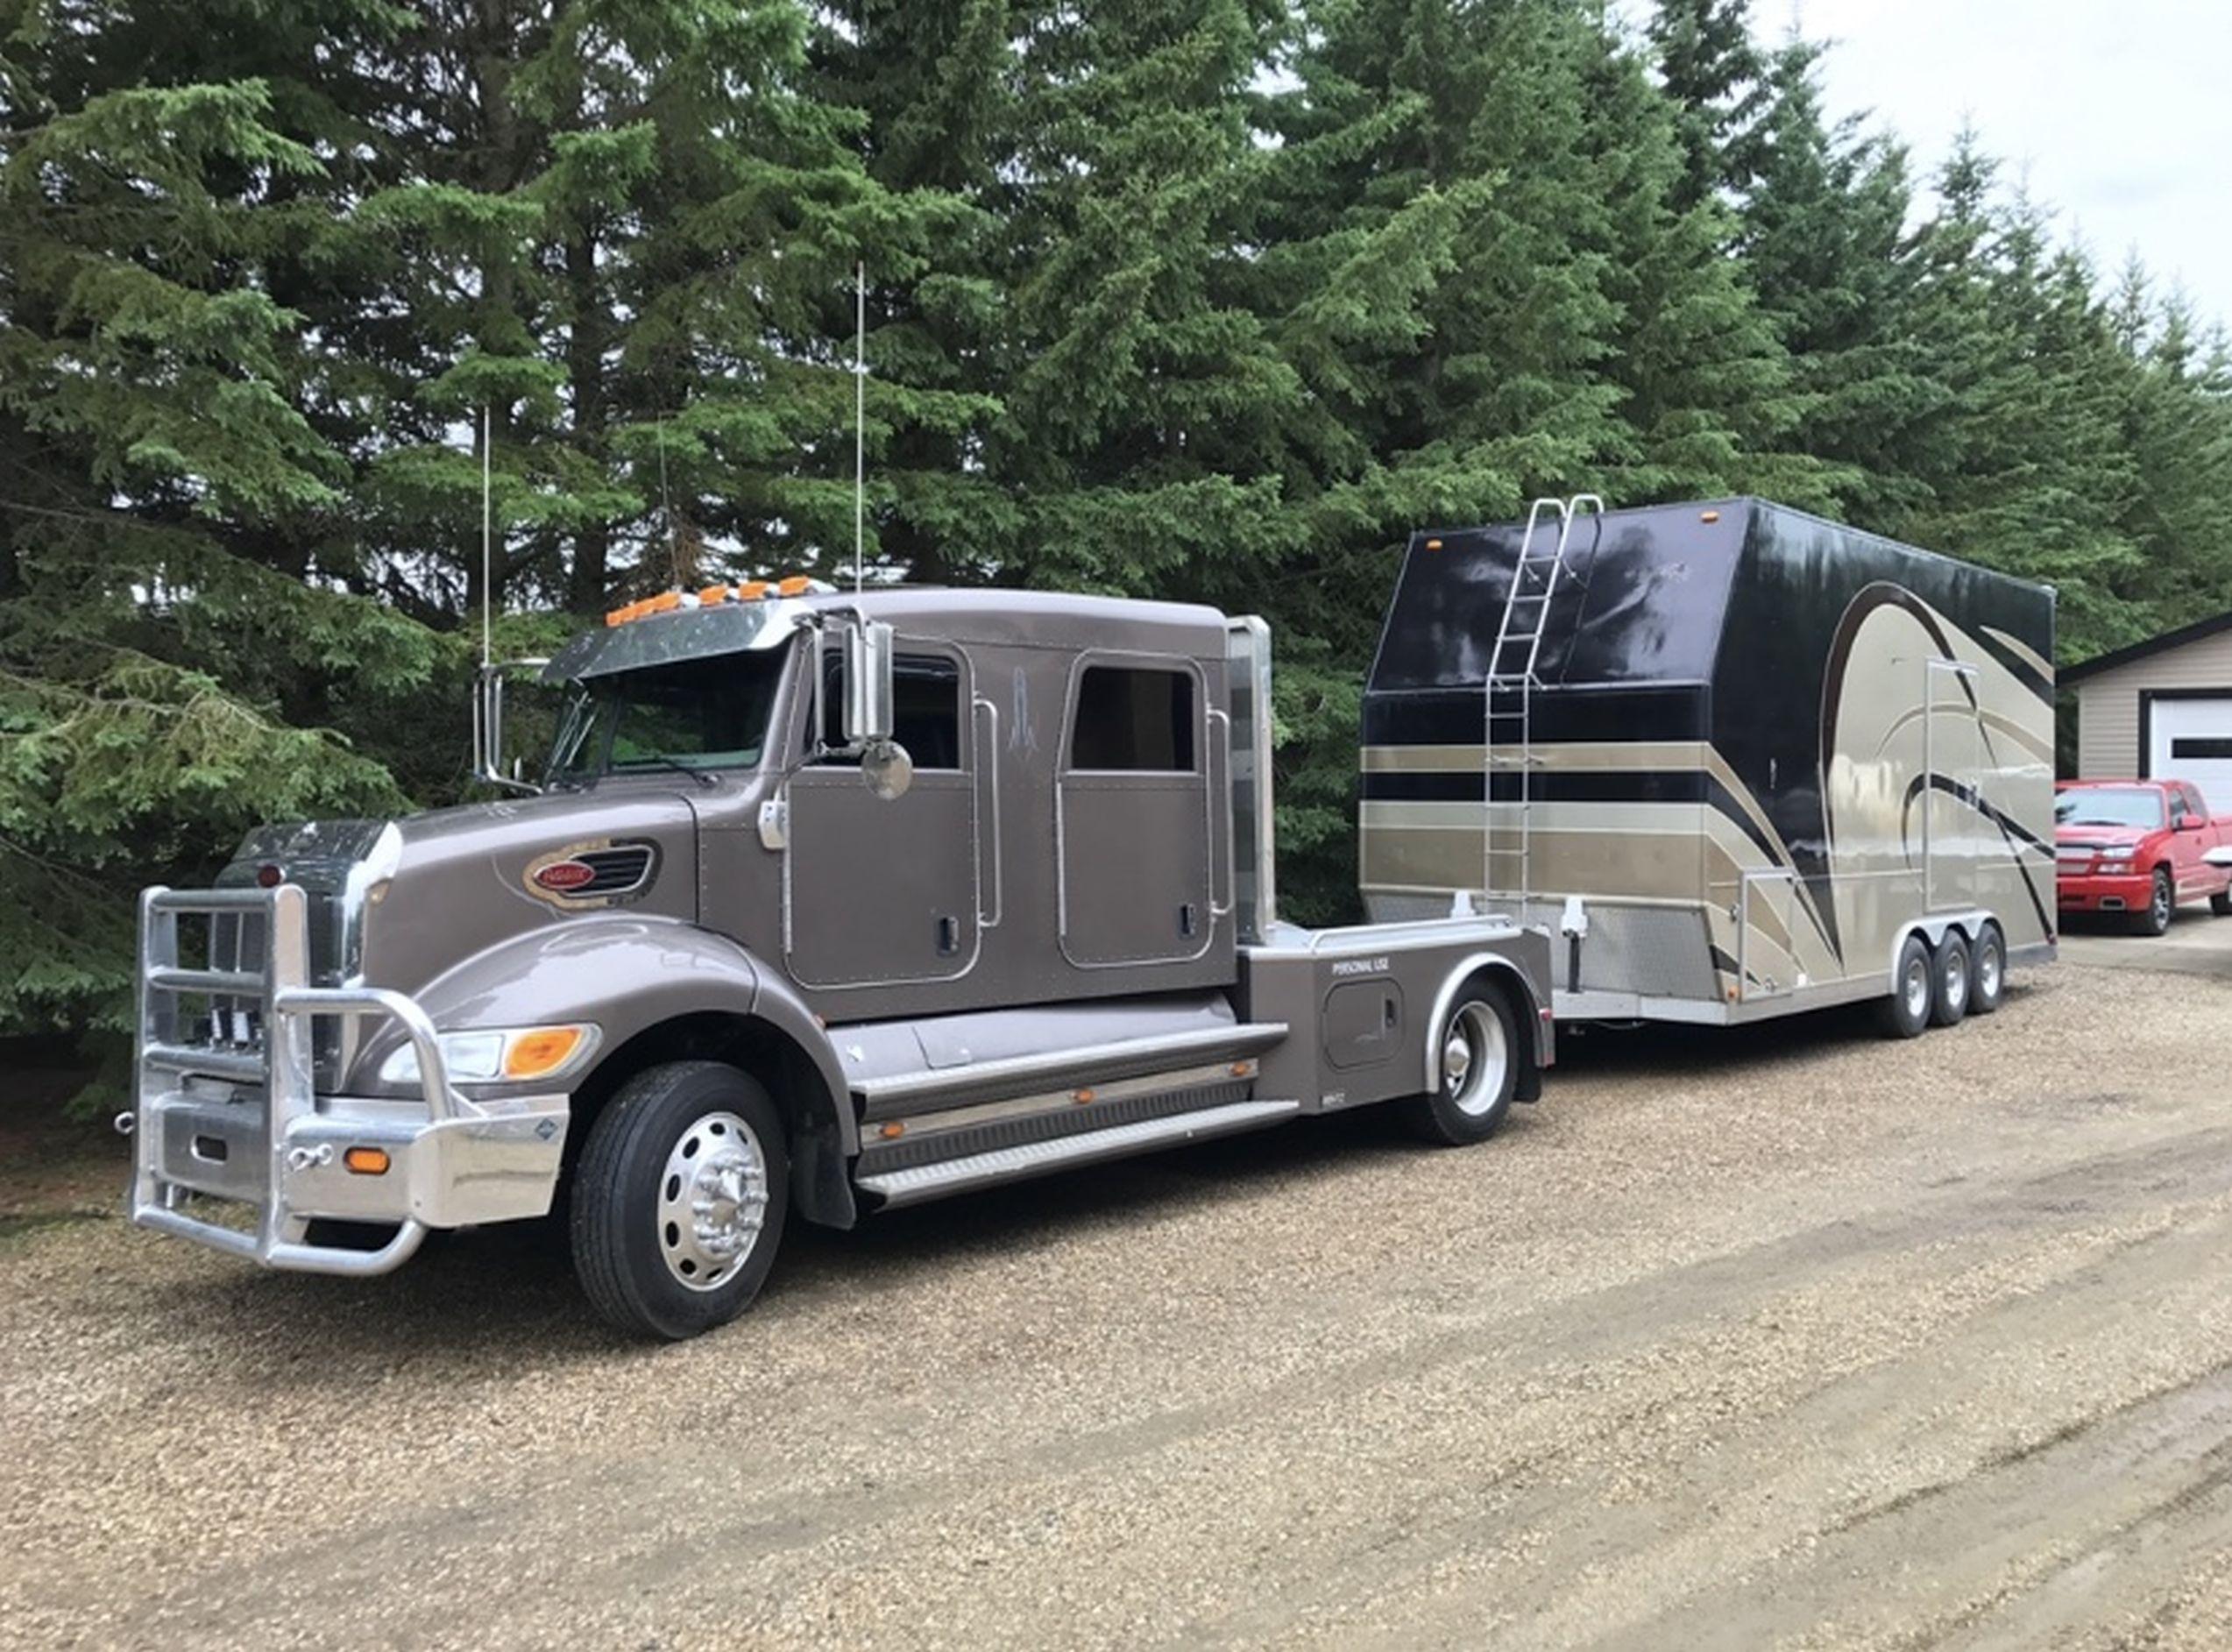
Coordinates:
<point>1710,516</point>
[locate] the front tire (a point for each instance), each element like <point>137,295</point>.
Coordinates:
<point>1950,978</point>
<point>2162,901</point>
<point>1987,971</point>
<point>1478,1050</point>
<point>1906,1012</point>
<point>679,1200</point>
<point>2220,904</point>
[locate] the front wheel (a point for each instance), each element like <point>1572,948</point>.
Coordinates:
<point>2162,900</point>
<point>679,1200</point>
<point>1987,970</point>
<point>2220,904</point>
<point>1478,1056</point>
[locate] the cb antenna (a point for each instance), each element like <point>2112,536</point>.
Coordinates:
<point>859,417</point>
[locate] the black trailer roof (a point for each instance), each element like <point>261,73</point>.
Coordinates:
<point>1647,594</point>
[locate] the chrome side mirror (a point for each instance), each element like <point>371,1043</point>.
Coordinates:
<point>488,765</point>
<point>2219,856</point>
<point>869,697</point>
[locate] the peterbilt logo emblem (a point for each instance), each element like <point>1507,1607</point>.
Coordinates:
<point>562,877</point>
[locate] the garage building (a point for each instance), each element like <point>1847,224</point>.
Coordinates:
<point>2161,709</point>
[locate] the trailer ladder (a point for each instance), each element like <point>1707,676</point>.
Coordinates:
<point>1507,743</point>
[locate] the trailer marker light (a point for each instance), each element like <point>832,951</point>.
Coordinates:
<point>366,1161</point>
<point>892,1132</point>
<point>1243,1069</point>
<point>1434,544</point>
<point>1709,516</point>
<point>1080,1097</point>
<point>269,877</point>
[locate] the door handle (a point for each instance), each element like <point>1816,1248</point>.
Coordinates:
<point>949,936</point>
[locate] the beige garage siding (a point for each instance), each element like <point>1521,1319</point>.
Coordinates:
<point>2108,706</point>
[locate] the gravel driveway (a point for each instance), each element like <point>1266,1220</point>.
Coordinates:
<point>1790,1336</point>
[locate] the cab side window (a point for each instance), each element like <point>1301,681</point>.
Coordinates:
<point>927,695</point>
<point>1134,719</point>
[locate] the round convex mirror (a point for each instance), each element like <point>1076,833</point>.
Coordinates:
<point>888,770</point>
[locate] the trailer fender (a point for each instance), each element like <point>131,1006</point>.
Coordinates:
<point>1527,1009</point>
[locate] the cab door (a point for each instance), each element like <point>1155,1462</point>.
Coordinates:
<point>876,891</point>
<point>1132,824</point>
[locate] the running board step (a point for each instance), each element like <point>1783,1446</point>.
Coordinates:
<point>923,1182</point>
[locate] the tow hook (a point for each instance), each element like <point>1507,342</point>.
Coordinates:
<point>309,1158</point>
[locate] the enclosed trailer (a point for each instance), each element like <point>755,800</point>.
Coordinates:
<point>1742,760</point>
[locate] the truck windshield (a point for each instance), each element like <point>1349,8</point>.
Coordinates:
<point>2109,806</point>
<point>696,714</point>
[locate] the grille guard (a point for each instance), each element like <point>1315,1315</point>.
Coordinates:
<point>288,1142</point>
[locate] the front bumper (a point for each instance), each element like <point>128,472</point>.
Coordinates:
<point>2122,891</point>
<point>243,1124</point>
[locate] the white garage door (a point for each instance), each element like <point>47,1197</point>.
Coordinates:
<point>2192,740</point>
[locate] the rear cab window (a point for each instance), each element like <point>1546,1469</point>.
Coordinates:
<point>1134,720</point>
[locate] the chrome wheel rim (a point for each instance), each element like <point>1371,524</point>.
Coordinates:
<point>713,1201</point>
<point>1987,970</point>
<point>1918,987</point>
<point>2162,900</point>
<point>1474,1057</point>
<point>1956,979</point>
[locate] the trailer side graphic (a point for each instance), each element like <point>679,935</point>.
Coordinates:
<point>1763,750</point>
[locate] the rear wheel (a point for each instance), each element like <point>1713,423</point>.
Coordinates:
<point>2162,901</point>
<point>1949,974</point>
<point>679,1200</point>
<point>1478,1055</point>
<point>1906,1012</point>
<point>1987,970</point>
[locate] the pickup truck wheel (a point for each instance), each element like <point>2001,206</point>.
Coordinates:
<point>1906,1012</point>
<point>2162,901</point>
<point>1949,979</point>
<point>679,1200</point>
<point>1987,970</point>
<point>1478,1052</point>
<point>2220,904</point>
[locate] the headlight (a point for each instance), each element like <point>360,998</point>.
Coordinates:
<point>2116,852</point>
<point>511,1054</point>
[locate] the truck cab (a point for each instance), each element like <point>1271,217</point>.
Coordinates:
<point>819,903</point>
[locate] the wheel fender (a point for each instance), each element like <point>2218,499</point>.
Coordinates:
<point>627,974</point>
<point>1527,1008</point>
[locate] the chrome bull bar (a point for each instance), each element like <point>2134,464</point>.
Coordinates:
<point>186,1123</point>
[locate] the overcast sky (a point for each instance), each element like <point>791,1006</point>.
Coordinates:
<point>2118,111</point>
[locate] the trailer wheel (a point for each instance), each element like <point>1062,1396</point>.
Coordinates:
<point>1987,970</point>
<point>1950,977</point>
<point>1479,1053</point>
<point>1906,1012</point>
<point>2162,901</point>
<point>679,1200</point>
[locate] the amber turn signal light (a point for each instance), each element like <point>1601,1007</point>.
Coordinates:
<point>544,1050</point>
<point>366,1161</point>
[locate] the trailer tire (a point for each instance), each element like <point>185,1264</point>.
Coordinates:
<point>1951,976</point>
<point>1480,1057</point>
<point>2162,901</point>
<point>1987,970</point>
<point>1906,1012</point>
<point>679,1200</point>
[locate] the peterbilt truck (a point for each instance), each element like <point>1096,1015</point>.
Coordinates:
<point>821,905</point>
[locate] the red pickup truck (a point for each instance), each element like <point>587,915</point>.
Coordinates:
<point>2140,847</point>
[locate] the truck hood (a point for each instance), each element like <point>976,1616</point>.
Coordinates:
<point>468,878</point>
<point>2101,836</point>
